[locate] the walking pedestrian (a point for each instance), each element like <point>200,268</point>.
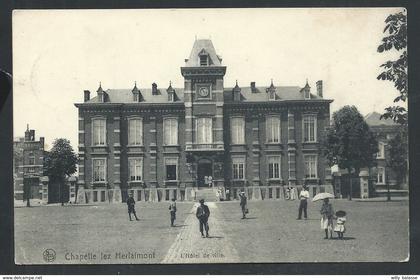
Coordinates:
<point>203,214</point>
<point>131,208</point>
<point>327,215</point>
<point>303,205</point>
<point>172,211</point>
<point>243,204</point>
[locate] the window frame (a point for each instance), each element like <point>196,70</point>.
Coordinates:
<point>315,128</point>
<point>141,169</point>
<point>170,119</point>
<point>129,132</point>
<point>272,162</point>
<point>306,168</point>
<point>238,160</point>
<point>267,129</point>
<point>381,150</point>
<point>166,159</point>
<point>104,134</point>
<point>232,132</point>
<point>382,177</point>
<point>196,138</point>
<point>105,170</point>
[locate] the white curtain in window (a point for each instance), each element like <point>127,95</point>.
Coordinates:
<point>309,128</point>
<point>170,130</point>
<point>238,130</point>
<point>311,166</point>
<point>238,168</point>
<point>99,132</point>
<point>274,167</point>
<point>135,132</point>
<point>135,169</point>
<point>98,170</point>
<point>273,129</point>
<point>204,132</point>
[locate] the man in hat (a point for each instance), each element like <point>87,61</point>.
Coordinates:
<point>303,205</point>
<point>130,205</point>
<point>243,204</point>
<point>172,211</point>
<point>202,214</point>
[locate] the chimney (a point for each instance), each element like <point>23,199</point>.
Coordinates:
<point>87,95</point>
<point>154,89</point>
<point>27,133</point>
<point>32,134</point>
<point>253,88</point>
<point>319,88</point>
<point>236,92</point>
<point>42,140</point>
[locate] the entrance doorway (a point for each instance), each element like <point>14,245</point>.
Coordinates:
<point>204,171</point>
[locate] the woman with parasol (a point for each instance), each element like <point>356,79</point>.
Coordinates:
<point>327,213</point>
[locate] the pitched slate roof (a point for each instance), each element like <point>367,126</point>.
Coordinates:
<point>260,95</point>
<point>126,96</point>
<point>374,119</point>
<point>206,46</point>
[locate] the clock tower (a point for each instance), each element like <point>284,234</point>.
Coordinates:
<point>203,96</point>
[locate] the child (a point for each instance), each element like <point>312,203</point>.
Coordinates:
<point>340,229</point>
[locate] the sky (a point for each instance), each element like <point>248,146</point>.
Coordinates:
<point>59,53</point>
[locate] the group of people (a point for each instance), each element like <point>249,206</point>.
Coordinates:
<point>327,215</point>
<point>203,213</point>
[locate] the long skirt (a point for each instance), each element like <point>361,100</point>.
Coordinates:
<point>326,223</point>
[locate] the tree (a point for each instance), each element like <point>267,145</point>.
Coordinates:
<point>60,162</point>
<point>396,71</point>
<point>398,155</point>
<point>350,143</point>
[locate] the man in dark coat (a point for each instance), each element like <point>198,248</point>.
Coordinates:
<point>131,209</point>
<point>172,211</point>
<point>203,214</point>
<point>243,204</point>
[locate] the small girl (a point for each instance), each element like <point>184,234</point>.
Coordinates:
<point>339,228</point>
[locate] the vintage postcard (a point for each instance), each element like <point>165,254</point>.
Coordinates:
<point>168,136</point>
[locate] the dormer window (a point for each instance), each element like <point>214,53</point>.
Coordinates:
<point>204,60</point>
<point>272,95</point>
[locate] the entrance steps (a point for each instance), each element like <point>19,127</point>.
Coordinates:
<point>207,194</point>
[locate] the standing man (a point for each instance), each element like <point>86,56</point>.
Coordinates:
<point>172,211</point>
<point>131,209</point>
<point>243,204</point>
<point>203,214</point>
<point>303,196</point>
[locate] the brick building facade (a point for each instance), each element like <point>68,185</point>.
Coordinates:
<point>160,143</point>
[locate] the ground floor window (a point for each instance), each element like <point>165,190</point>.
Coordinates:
<point>135,169</point>
<point>171,168</point>
<point>99,170</point>
<point>381,176</point>
<point>238,168</point>
<point>274,163</point>
<point>311,163</point>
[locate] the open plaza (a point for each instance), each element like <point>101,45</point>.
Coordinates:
<point>377,231</point>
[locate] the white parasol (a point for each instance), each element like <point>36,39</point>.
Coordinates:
<point>322,196</point>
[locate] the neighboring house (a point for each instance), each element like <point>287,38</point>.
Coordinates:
<point>384,130</point>
<point>145,139</point>
<point>28,166</point>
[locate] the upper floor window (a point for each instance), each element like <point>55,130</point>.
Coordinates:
<point>99,132</point>
<point>309,128</point>
<point>99,170</point>
<point>237,130</point>
<point>204,60</point>
<point>171,169</point>
<point>135,166</point>
<point>381,176</point>
<point>204,131</point>
<point>170,131</point>
<point>381,152</point>
<point>274,166</point>
<point>238,168</point>
<point>273,129</point>
<point>31,159</point>
<point>135,131</point>
<point>311,165</point>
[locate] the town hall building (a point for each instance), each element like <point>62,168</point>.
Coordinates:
<point>158,143</point>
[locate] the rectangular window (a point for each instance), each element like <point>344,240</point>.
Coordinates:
<point>273,129</point>
<point>99,169</point>
<point>381,152</point>
<point>171,168</point>
<point>309,128</point>
<point>31,160</point>
<point>381,176</point>
<point>237,130</point>
<point>99,132</point>
<point>274,164</point>
<point>135,166</point>
<point>203,60</point>
<point>204,131</point>
<point>238,167</point>
<point>311,163</point>
<point>135,131</point>
<point>170,131</point>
